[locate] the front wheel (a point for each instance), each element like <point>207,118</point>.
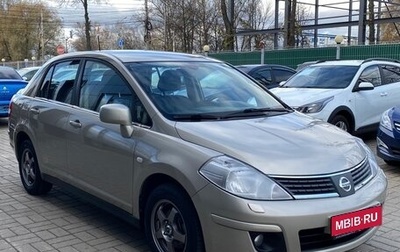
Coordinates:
<point>171,222</point>
<point>29,170</point>
<point>341,122</point>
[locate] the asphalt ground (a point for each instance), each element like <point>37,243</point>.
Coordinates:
<point>63,222</point>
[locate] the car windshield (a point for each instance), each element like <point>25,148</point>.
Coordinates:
<point>325,76</point>
<point>203,91</point>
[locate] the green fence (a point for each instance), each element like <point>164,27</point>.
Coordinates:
<point>294,57</point>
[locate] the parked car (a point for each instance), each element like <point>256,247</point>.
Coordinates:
<point>270,75</point>
<point>28,72</point>
<point>196,153</point>
<point>10,83</point>
<point>351,94</point>
<point>388,138</point>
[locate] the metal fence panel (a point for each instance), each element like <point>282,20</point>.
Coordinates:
<point>294,57</point>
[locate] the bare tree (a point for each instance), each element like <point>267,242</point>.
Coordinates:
<point>227,16</point>
<point>87,25</point>
<point>303,15</point>
<point>106,37</point>
<point>390,31</point>
<point>27,29</point>
<point>256,15</point>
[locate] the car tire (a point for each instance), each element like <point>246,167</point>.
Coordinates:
<point>29,170</point>
<point>341,122</point>
<point>392,163</point>
<point>171,222</point>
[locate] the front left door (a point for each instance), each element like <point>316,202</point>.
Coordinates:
<point>100,160</point>
<point>369,103</point>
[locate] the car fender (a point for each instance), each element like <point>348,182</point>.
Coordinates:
<point>344,110</point>
<point>158,164</point>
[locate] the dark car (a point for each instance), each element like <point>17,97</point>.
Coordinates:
<point>388,139</point>
<point>270,75</point>
<point>10,83</point>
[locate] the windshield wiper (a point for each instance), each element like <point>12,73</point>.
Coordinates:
<point>258,112</point>
<point>252,110</point>
<point>196,117</point>
<point>220,116</point>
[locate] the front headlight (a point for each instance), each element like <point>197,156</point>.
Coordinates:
<point>242,180</point>
<point>314,107</point>
<point>385,121</point>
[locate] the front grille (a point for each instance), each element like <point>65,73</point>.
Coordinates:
<point>317,239</point>
<point>397,125</point>
<point>323,186</point>
<point>361,174</point>
<point>307,186</point>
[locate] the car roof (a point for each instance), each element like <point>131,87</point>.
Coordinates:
<point>249,67</point>
<point>27,69</point>
<point>139,55</point>
<point>9,73</point>
<point>354,62</point>
<point>340,63</point>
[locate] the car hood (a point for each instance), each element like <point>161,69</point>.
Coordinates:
<point>291,144</point>
<point>396,113</point>
<point>300,96</point>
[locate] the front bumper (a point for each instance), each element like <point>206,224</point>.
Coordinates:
<point>388,145</point>
<point>229,223</point>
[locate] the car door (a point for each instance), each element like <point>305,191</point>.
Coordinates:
<point>370,103</point>
<point>391,85</point>
<point>100,160</point>
<point>48,114</point>
<point>281,74</point>
<point>264,76</point>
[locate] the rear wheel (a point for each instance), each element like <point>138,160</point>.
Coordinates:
<point>29,170</point>
<point>341,122</point>
<point>171,222</point>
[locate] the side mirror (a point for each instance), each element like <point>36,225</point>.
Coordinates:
<point>282,83</point>
<point>365,86</point>
<point>118,114</point>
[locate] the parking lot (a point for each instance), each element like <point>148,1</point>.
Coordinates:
<point>61,222</point>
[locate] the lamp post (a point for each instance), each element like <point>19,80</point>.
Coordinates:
<point>3,60</point>
<point>26,62</point>
<point>33,60</point>
<point>206,49</point>
<point>97,28</point>
<point>338,40</point>
<point>262,47</point>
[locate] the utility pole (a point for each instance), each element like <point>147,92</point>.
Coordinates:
<point>41,56</point>
<point>147,24</point>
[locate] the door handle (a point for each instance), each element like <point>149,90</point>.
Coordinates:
<point>75,124</point>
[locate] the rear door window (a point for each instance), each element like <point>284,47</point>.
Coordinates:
<point>59,81</point>
<point>282,74</point>
<point>391,74</point>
